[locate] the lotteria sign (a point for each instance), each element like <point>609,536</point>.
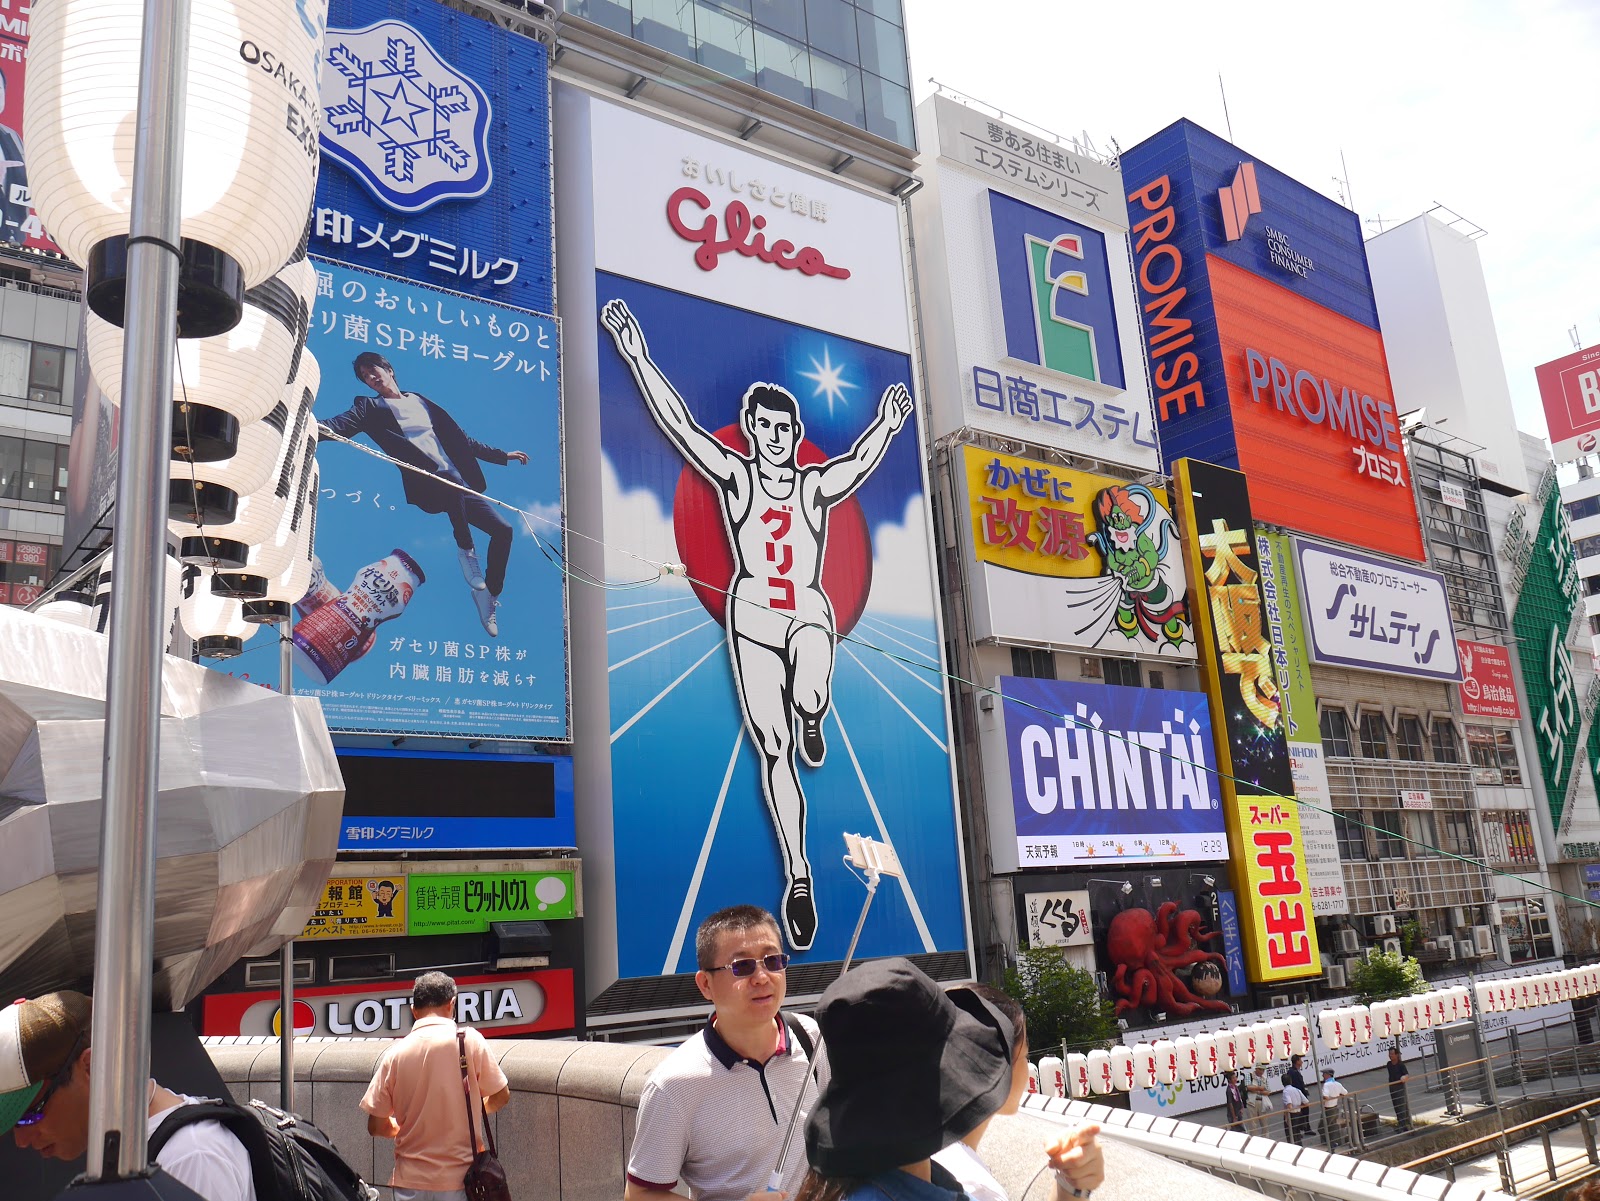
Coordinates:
<point>1263,339</point>
<point>501,1004</point>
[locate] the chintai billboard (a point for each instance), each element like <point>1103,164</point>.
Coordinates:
<point>771,658</point>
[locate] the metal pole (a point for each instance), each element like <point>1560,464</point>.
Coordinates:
<point>286,955</point>
<point>125,911</point>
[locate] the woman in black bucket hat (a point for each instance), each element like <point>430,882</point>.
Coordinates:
<point>912,1072</point>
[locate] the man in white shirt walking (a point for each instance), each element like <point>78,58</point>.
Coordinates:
<point>1332,1109</point>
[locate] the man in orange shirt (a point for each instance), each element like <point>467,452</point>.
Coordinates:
<point>415,1096</point>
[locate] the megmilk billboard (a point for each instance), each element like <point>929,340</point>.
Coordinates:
<point>751,364</point>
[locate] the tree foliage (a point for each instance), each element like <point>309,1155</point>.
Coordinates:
<point>1062,1002</point>
<point>1383,975</point>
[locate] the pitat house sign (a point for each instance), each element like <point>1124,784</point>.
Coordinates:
<point>502,1004</point>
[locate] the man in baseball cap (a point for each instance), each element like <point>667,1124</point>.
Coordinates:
<point>44,1099</point>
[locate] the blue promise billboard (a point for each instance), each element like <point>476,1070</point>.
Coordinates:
<point>1101,773</point>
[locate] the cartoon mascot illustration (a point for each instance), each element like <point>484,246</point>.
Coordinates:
<point>1140,590</point>
<point>780,623</point>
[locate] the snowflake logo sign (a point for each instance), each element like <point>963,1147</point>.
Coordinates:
<point>407,123</point>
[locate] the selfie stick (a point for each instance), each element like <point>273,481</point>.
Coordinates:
<point>875,859</point>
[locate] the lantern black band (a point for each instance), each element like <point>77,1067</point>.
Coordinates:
<point>210,284</point>
<point>266,612</point>
<point>219,646</point>
<point>239,586</point>
<point>218,553</point>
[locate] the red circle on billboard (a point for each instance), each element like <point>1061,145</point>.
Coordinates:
<point>1587,443</point>
<point>708,554</point>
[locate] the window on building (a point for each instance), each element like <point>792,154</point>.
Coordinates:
<point>1387,833</point>
<point>1577,510</point>
<point>1514,927</point>
<point>1335,733</point>
<point>1374,738</point>
<point>1121,671</point>
<point>1544,946</point>
<point>1494,755</point>
<point>1456,834</point>
<point>1591,585</point>
<point>1352,837</point>
<point>1587,546</point>
<point>1033,663</point>
<point>1423,830</point>
<point>25,569</point>
<point>1158,679</point>
<point>1445,747</point>
<point>1514,832</point>
<point>32,470</point>
<point>14,356</point>
<point>45,374</point>
<point>1408,740</point>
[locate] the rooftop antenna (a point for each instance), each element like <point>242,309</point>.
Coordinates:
<point>1347,193</point>
<point>1573,334</point>
<point>1225,116</point>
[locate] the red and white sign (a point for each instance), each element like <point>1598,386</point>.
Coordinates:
<point>31,554</point>
<point>504,1003</point>
<point>1570,389</point>
<point>1416,798</point>
<point>1488,688</point>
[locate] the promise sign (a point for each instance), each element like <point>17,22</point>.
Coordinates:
<point>1234,638</point>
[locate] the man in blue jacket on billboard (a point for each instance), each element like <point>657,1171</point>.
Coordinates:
<point>409,427</point>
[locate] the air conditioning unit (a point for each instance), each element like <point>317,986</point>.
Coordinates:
<point>1391,946</point>
<point>1336,977</point>
<point>1349,966</point>
<point>1448,946</point>
<point>1383,924</point>
<point>1349,941</point>
<point>1278,1002</point>
<point>1458,916</point>
<point>1483,936</point>
<point>1466,949</point>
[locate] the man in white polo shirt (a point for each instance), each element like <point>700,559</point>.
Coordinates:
<point>715,1112</point>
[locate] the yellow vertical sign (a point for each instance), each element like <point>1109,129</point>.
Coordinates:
<point>1267,854</point>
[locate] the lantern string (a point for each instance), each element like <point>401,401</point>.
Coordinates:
<point>661,570</point>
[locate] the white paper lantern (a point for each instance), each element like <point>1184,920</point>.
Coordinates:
<point>251,464</point>
<point>72,608</point>
<point>1384,1025</point>
<point>1077,1074</point>
<point>251,121</point>
<point>1266,1043</point>
<point>1206,1046</point>
<point>1123,1069</point>
<point>216,623</point>
<point>1051,1076</point>
<point>1188,1055</point>
<point>1228,1046</point>
<point>1280,1038</point>
<point>1331,1026</point>
<point>1100,1077</point>
<point>1167,1066</point>
<point>1361,1024</point>
<point>1299,1036</point>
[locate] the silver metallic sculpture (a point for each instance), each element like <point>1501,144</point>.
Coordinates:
<point>247,819</point>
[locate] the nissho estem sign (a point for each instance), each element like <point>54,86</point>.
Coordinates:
<point>1550,592</point>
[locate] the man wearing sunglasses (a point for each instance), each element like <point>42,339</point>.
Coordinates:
<point>715,1112</point>
<point>44,1099</point>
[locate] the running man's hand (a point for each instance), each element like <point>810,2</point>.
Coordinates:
<point>625,331</point>
<point>1078,1161</point>
<point>895,407</point>
<point>516,456</point>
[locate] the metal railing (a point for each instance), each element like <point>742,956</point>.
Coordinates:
<point>1501,1141</point>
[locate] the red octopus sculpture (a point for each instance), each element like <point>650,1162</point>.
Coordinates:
<point>1146,947</point>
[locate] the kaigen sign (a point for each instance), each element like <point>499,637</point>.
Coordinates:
<point>502,1004</point>
<point>1255,770</point>
<point>1488,687</point>
<point>1074,559</point>
<point>1570,389</point>
<point>1106,774</point>
<point>436,610</point>
<point>1263,339</point>
<point>1375,614</point>
<point>436,151</point>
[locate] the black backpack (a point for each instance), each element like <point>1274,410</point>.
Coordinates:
<point>290,1159</point>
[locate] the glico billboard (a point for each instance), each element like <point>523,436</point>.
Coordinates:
<point>741,355</point>
<point>1263,339</point>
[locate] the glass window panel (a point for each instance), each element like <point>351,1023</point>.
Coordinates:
<point>831,28</point>
<point>883,48</point>
<point>1352,837</point>
<point>1124,672</point>
<point>1424,832</point>
<point>889,10</point>
<point>1445,747</point>
<point>888,110</point>
<point>836,90</point>
<point>14,360</point>
<point>10,466</point>
<point>39,472</point>
<point>781,16</point>
<point>1033,663</point>
<point>1374,738</point>
<point>727,41</point>
<point>1408,740</point>
<point>44,396</point>
<point>45,371</point>
<point>1335,733</point>
<point>1386,824</point>
<point>1510,766</point>
<point>665,24</point>
<point>609,13</point>
<point>783,66</point>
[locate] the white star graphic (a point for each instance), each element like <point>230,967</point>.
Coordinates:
<point>827,377</point>
<point>397,106</point>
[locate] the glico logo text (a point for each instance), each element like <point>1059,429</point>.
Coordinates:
<point>744,236</point>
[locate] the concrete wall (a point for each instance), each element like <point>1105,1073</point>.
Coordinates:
<point>563,1137</point>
